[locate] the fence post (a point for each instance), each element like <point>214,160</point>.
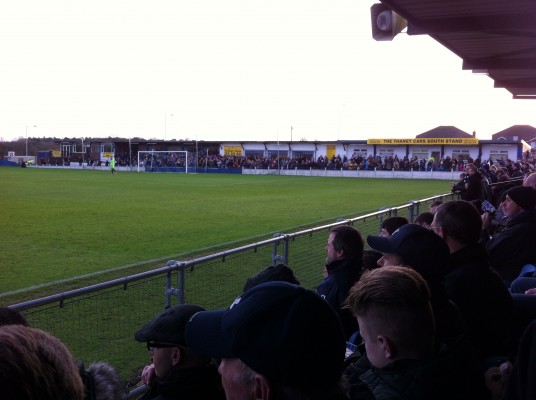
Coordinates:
<point>277,259</point>
<point>411,210</point>
<point>179,290</point>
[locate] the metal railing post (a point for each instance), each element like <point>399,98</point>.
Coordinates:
<point>179,290</point>
<point>411,210</point>
<point>276,258</point>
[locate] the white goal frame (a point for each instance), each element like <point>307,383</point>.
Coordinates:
<point>161,162</point>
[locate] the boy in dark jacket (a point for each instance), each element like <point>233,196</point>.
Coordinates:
<point>392,306</point>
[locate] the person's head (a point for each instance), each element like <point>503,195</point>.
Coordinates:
<point>101,381</point>
<point>530,180</point>
<point>416,247</point>
<point>518,200</point>
<point>392,306</point>
<point>279,272</point>
<point>424,219</point>
<point>34,365</point>
<point>344,242</point>
<point>471,169</point>
<point>165,338</point>
<point>436,203</point>
<point>276,337</point>
<point>370,259</point>
<point>501,173</point>
<point>391,224</point>
<point>9,316</point>
<point>458,222</point>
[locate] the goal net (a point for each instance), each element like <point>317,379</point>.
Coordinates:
<point>165,161</point>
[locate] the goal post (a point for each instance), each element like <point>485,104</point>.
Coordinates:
<point>165,161</point>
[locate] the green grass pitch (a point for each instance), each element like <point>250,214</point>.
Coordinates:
<point>60,224</point>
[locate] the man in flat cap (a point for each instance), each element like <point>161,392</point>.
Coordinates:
<point>176,370</point>
<point>276,341</point>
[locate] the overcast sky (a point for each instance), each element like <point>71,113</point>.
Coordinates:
<point>231,70</point>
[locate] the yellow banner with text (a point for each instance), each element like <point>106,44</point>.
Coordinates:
<point>232,150</point>
<point>425,141</point>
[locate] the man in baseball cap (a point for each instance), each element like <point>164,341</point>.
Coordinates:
<point>176,371</point>
<point>412,245</point>
<point>277,339</point>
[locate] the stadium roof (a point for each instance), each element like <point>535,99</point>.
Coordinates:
<point>495,37</point>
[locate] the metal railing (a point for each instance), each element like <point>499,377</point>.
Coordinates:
<point>98,322</point>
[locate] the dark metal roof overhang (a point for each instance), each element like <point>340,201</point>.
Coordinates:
<point>495,37</point>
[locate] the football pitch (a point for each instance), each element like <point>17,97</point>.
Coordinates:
<point>57,225</point>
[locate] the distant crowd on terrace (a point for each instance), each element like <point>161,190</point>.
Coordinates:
<point>523,166</point>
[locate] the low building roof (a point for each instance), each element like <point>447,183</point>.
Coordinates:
<point>525,132</point>
<point>445,132</point>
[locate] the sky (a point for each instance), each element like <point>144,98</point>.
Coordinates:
<point>231,71</point>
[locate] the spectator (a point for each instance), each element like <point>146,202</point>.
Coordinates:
<point>279,272</point>
<point>433,205</point>
<point>516,170</point>
<point>473,184</point>
<point>419,248</point>
<point>513,245</point>
<point>424,219</point>
<point>391,224</point>
<point>401,360</point>
<point>276,341</point>
<point>502,174</point>
<point>477,290</point>
<point>370,259</point>
<point>177,371</point>
<point>101,382</point>
<point>459,187</point>
<point>530,180</point>
<point>344,264</point>
<point>9,316</point>
<point>35,365</point>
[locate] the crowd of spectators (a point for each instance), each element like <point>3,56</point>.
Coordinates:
<point>499,169</point>
<point>369,163</point>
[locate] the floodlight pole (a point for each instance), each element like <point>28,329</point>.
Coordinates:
<point>26,153</point>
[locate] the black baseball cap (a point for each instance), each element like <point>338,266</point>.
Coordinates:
<point>281,330</point>
<point>419,248</point>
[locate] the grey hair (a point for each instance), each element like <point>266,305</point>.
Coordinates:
<point>106,381</point>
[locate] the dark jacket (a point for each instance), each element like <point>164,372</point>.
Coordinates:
<point>199,383</point>
<point>342,274</point>
<point>473,190</point>
<point>483,300</point>
<point>450,373</point>
<point>521,382</point>
<point>513,245</point>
